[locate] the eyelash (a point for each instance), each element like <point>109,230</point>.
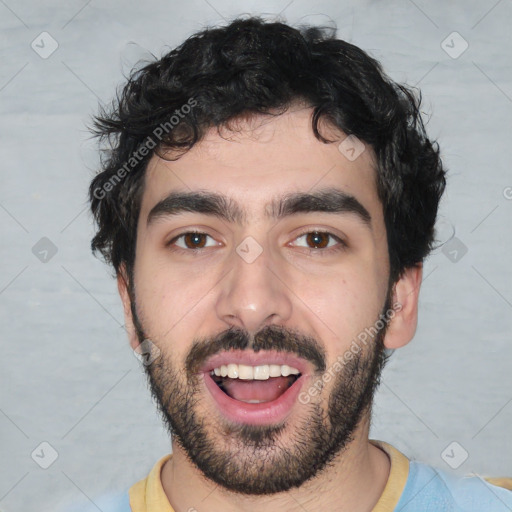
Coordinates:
<point>318,251</point>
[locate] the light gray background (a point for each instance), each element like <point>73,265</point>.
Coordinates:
<point>68,376</point>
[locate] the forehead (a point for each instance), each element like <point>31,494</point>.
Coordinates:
<point>263,158</point>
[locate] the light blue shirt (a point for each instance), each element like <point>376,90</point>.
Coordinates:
<point>427,490</point>
<point>431,490</point>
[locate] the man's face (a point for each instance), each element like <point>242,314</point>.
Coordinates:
<point>263,287</point>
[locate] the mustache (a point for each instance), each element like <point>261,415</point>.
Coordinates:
<point>272,337</point>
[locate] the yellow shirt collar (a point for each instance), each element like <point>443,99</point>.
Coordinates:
<point>398,475</point>
<point>148,494</point>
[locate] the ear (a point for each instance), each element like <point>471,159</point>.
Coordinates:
<point>123,287</point>
<point>402,326</point>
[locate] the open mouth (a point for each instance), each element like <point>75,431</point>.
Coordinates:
<point>255,391</point>
<point>255,394</point>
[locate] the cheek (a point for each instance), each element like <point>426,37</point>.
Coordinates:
<point>344,305</point>
<point>171,298</point>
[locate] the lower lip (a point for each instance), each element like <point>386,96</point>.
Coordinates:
<point>255,414</point>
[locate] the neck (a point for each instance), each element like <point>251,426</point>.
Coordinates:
<point>353,482</point>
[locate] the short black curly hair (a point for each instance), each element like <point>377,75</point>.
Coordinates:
<point>251,67</point>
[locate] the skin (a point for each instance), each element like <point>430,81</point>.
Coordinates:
<point>183,296</point>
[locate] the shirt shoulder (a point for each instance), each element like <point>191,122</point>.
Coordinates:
<point>432,490</point>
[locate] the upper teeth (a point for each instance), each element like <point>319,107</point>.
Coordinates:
<point>261,372</point>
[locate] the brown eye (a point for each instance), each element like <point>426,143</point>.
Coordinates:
<point>193,240</point>
<point>318,239</point>
<point>321,242</point>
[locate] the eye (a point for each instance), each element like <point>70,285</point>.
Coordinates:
<point>192,240</point>
<point>315,240</point>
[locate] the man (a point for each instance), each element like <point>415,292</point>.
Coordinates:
<point>267,204</point>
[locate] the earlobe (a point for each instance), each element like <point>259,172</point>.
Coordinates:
<point>402,326</point>
<point>123,285</point>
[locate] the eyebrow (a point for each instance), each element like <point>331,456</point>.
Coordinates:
<point>330,200</point>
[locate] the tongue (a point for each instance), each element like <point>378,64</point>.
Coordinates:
<point>261,390</point>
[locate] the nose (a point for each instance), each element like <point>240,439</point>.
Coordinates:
<point>254,294</point>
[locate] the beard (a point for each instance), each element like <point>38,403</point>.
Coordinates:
<point>264,459</point>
